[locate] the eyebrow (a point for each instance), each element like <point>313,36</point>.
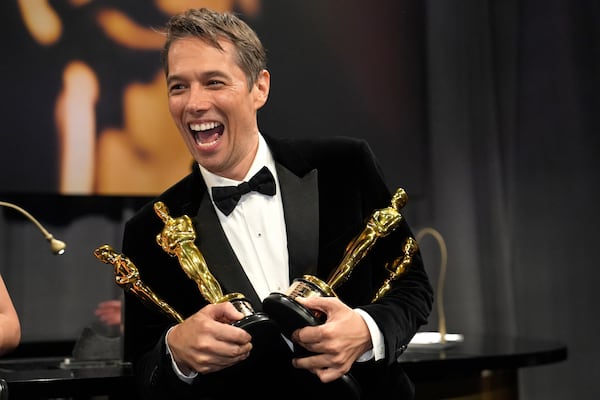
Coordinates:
<point>204,76</point>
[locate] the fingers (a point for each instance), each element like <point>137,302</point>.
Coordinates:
<point>223,312</point>
<point>326,367</point>
<point>336,344</point>
<point>219,355</point>
<point>109,312</point>
<point>108,306</point>
<point>309,336</point>
<point>205,344</point>
<point>323,304</point>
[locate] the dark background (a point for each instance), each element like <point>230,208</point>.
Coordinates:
<point>485,111</point>
<point>339,68</point>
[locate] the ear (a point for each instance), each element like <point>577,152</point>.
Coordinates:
<point>261,88</point>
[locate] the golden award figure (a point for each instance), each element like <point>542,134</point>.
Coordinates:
<point>290,314</point>
<point>398,267</point>
<point>128,278</point>
<point>177,239</point>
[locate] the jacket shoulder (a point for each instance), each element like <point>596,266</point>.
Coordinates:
<point>181,198</point>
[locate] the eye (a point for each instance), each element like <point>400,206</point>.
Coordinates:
<point>176,88</point>
<point>214,83</point>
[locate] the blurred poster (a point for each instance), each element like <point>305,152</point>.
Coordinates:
<point>84,107</point>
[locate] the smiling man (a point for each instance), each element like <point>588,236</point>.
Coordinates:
<point>295,205</point>
<point>213,103</point>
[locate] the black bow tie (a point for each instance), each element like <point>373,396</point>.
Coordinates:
<point>227,197</point>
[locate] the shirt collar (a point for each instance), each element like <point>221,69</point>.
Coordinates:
<point>263,158</point>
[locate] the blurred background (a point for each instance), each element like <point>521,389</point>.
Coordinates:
<point>485,112</point>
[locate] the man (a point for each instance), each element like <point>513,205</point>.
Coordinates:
<point>321,196</point>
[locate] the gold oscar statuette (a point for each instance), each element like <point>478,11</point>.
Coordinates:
<point>177,239</point>
<point>290,314</point>
<point>398,267</point>
<point>127,276</point>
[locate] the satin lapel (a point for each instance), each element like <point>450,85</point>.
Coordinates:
<point>220,258</point>
<point>300,198</point>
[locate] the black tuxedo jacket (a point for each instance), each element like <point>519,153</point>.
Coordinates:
<point>329,188</point>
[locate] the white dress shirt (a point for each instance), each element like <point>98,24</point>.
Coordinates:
<point>257,233</point>
<point>256,228</point>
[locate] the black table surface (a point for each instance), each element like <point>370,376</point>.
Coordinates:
<point>48,377</point>
<point>480,352</point>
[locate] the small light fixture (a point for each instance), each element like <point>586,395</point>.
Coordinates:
<point>57,246</point>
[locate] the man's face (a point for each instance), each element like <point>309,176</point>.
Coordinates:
<point>213,108</point>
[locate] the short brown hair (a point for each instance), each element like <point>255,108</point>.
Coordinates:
<point>212,26</point>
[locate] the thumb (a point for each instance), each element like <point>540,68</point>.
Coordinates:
<point>323,304</point>
<point>224,312</point>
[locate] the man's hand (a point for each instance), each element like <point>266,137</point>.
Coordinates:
<point>206,342</point>
<point>340,341</point>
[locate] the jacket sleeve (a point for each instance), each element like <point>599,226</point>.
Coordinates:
<point>352,188</point>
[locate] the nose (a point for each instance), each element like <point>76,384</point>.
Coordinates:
<point>199,99</point>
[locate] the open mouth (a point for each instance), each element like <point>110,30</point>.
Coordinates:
<point>206,133</point>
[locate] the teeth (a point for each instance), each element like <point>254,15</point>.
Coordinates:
<point>204,126</point>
